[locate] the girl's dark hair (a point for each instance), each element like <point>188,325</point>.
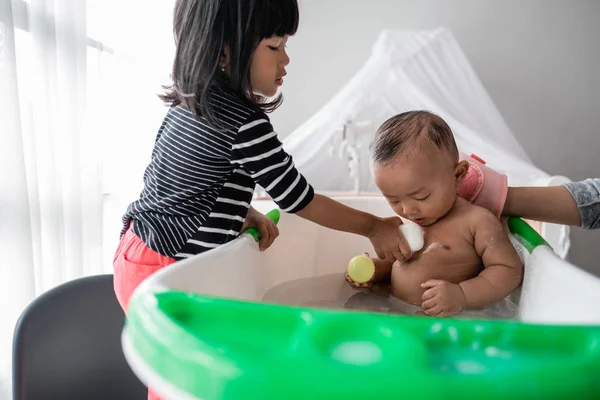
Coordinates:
<point>202,28</point>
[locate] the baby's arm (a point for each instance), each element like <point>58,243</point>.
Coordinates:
<point>383,270</point>
<point>503,271</point>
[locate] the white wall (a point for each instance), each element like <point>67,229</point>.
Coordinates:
<point>539,59</point>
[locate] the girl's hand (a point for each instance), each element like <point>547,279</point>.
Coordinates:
<point>266,227</point>
<point>388,241</point>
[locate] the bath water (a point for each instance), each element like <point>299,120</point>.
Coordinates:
<point>332,291</point>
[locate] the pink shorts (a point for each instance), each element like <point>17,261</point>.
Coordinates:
<point>134,262</point>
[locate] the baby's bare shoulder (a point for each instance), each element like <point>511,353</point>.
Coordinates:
<point>478,218</point>
<point>471,211</point>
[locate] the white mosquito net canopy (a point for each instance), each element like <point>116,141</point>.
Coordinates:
<point>407,70</point>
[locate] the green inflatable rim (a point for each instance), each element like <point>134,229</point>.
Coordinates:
<point>221,349</point>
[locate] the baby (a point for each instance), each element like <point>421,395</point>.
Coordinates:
<point>467,261</point>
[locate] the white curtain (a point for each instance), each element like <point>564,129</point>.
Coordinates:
<point>78,115</point>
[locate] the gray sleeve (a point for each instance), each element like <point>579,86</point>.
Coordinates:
<point>587,196</point>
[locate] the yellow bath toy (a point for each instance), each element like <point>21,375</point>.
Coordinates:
<point>361,269</point>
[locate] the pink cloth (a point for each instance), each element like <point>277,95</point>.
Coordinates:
<point>134,262</point>
<point>483,186</point>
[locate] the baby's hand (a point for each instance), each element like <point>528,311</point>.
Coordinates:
<point>442,298</point>
<point>388,241</point>
<point>356,285</point>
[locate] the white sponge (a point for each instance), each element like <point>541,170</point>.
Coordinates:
<point>414,235</point>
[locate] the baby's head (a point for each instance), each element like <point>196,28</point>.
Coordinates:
<point>416,166</point>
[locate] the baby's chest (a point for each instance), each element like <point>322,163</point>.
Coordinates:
<point>445,248</point>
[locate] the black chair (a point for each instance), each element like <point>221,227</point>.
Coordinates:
<point>67,346</point>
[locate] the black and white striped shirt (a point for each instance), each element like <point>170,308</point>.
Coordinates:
<point>200,181</point>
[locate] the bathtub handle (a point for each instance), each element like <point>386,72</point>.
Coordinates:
<point>525,234</point>
<point>273,214</point>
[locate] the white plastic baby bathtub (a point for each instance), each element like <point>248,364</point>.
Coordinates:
<point>554,291</point>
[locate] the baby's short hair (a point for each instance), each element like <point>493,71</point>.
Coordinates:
<point>407,131</point>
